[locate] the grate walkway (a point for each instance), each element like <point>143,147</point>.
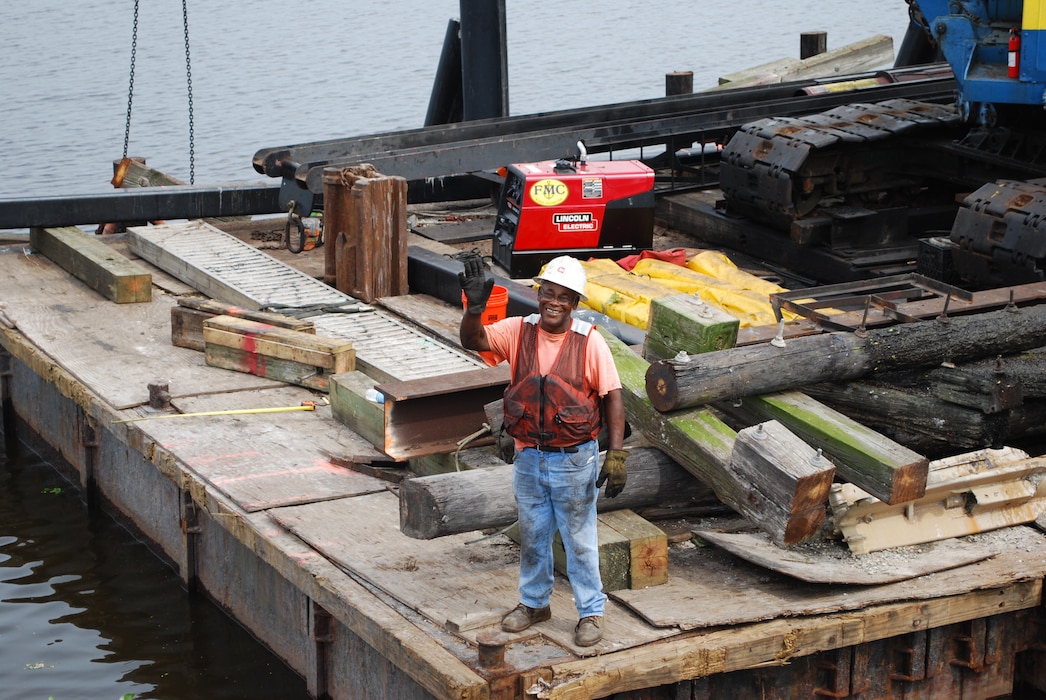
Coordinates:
<point>229,270</point>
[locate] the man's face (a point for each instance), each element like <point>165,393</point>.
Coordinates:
<point>555,303</point>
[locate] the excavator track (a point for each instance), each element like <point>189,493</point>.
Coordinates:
<point>1000,233</point>
<point>866,156</point>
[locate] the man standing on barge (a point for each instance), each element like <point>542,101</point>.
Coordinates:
<point>564,387</point>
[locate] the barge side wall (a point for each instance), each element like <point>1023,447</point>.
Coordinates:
<point>241,562</point>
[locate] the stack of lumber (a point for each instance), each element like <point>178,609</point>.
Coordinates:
<point>687,400</point>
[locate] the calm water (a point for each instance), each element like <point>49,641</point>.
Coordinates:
<point>271,73</point>
<point>85,611</point>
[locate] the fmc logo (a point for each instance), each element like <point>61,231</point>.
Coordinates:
<point>548,193</point>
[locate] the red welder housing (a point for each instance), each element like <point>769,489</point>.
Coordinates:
<point>584,209</point>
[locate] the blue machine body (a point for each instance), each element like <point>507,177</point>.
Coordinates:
<point>974,37</point>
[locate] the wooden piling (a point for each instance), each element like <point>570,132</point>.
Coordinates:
<point>812,44</point>
<point>365,226</point>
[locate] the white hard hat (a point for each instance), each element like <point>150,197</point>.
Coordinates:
<point>565,271</point>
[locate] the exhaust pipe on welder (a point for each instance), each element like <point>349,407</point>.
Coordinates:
<point>582,151</point>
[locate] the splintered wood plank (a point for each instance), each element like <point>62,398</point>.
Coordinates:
<point>832,562</point>
<point>467,586</point>
<point>965,494</point>
<point>94,263</point>
<point>709,587</point>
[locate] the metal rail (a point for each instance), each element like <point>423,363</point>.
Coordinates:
<point>431,156</point>
<point>464,148</point>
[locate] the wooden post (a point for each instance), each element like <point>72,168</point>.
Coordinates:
<point>679,83</point>
<point>812,44</point>
<point>790,482</point>
<point>476,499</point>
<point>366,221</point>
<point>763,369</point>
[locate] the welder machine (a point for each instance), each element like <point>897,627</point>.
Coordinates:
<point>572,207</point>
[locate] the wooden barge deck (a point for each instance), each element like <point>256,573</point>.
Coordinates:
<point>253,510</point>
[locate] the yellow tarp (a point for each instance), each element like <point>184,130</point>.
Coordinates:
<point>626,296</point>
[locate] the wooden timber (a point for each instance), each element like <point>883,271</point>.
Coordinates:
<point>890,471</point>
<point>365,231</point>
<point>762,369</point>
<point>882,467</point>
<point>704,446</point>
<point>187,320</point>
<point>478,499</point>
<point>94,263</point>
<point>916,418</point>
<point>633,553</point>
<point>277,353</point>
<point>684,322</point>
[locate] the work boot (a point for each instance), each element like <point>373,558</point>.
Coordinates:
<point>588,631</point>
<point>523,617</point>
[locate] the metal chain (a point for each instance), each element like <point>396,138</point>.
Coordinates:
<point>130,87</point>
<point>188,79</point>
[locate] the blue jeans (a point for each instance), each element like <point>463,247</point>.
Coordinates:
<point>557,490</point>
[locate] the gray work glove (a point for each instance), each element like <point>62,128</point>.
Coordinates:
<point>613,472</point>
<point>474,283</point>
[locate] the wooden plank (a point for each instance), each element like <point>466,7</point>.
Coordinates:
<point>262,461</point>
<point>94,263</point>
<point>863,55</point>
<point>647,548</point>
<point>279,343</point>
<point>187,320</point>
<point>684,322</point>
<point>362,534</point>
<point>773,643</point>
<point>218,308</point>
<point>274,368</point>
<point>886,469</point>
<point>966,494</point>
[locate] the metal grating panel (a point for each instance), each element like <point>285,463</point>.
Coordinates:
<point>388,347</point>
<point>229,270</point>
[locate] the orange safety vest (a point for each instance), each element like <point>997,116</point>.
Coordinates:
<point>553,410</point>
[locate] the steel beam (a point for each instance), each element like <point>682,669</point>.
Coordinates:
<point>429,416</point>
<point>142,204</point>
